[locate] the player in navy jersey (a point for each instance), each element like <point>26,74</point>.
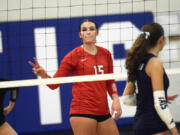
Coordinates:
<point>5,128</point>
<point>89,111</point>
<point>147,84</point>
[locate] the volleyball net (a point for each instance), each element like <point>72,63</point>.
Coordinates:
<point>49,39</point>
<point>73,79</point>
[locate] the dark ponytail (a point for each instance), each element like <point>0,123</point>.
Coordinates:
<point>145,41</point>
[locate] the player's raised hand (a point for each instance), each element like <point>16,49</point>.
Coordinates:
<point>37,69</point>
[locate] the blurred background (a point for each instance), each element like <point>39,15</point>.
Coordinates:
<point>48,30</point>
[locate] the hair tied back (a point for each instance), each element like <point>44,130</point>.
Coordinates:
<point>147,34</point>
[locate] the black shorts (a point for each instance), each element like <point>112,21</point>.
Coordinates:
<point>98,118</point>
<point>148,124</point>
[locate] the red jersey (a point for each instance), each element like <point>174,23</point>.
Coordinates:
<point>88,97</point>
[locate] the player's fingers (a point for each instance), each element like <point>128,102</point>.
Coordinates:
<point>117,115</point>
<point>168,101</point>
<point>112,111</point>
<point>36,62</point>
<point>31,63</point>
<point>173,97</point>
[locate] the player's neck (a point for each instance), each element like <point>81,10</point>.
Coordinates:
<point>90,48</point>
<point>154,51</point>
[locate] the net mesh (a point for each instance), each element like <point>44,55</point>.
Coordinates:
<point>39,26</point>
<point>48,30</point>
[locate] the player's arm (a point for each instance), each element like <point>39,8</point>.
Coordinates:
<point>111,85</point>
<point>129,97</point>
<point>9,108</point>
<point>113,92</point>
<point>116,107</point>
<point>155,71</point>
<point>65,68</point>
<point>13,96</point>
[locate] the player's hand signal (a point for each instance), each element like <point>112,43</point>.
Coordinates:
<point>37,69</point>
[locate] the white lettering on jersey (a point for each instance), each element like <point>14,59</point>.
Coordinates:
<point>141,66</point>
<point>99,69</point>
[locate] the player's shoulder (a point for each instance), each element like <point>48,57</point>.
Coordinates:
<point>76,49</point>
<point>103,50</point>
<point>75,52</point>
<point>155,63</point>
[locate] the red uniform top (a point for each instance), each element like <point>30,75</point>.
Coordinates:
<point>88,97</point>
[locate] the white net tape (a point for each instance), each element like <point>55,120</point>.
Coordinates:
<point>72,79</point>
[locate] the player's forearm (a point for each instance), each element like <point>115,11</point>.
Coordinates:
<point>115,96</point>
<point>162,108</point>
<point>11,104</point>
<point>44,75</point>
<point>174,131</point>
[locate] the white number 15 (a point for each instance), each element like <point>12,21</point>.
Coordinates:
<point>98,69</point>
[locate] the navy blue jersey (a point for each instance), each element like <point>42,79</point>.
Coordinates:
<point>146,120</point>
<point>13,96</point>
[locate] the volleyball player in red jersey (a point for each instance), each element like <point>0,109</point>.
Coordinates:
<point>89,112</point>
